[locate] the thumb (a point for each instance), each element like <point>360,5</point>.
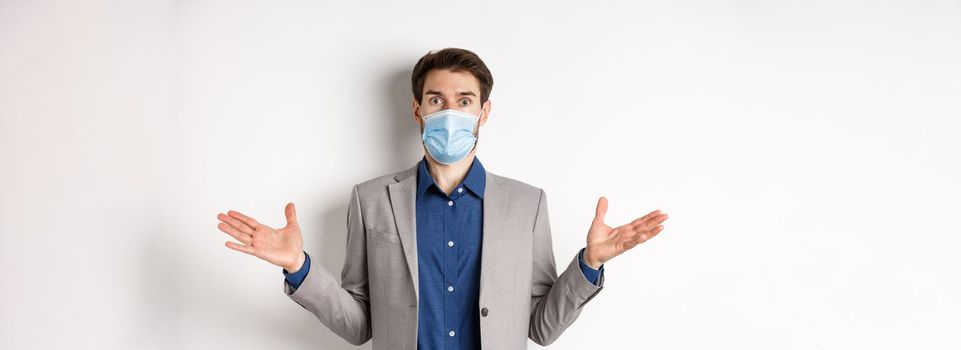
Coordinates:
<point>291,214</point>
<point>601,210</point>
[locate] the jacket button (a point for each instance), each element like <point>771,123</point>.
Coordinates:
<point>484,312</point>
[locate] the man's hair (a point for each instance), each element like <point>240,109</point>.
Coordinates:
<point>455,60</point>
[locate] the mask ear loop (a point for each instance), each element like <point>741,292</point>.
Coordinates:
<point>477,137</point>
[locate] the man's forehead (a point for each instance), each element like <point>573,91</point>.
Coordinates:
<point>447,82</point>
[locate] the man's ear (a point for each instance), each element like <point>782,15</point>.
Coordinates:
<point>486,110</point>
<point>416,108</point>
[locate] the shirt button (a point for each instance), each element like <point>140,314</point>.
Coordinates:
<point>450,243</point>
<point>451,333</point>
<point>459,190</point>
<point>450,288</point>
<point>450,203</point>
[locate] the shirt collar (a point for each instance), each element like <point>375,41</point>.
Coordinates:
<point>475,181</point>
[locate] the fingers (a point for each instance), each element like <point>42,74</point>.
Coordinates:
<point>638,231</point>
<point>640,220</point>
<point>647,226</point>
<point>644,222</point>
<point>650,234</point>
<point>651,219</point>
<point>241,248</point>
<point>642,236</point>
<point>291,214</point>
<point>240,236</point>
<point>235,224</point>
<point>601,210</point>
<point>250,222</point>
<point>655,219</point>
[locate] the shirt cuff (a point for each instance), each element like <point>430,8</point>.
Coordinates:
<point>296,278</point>
<point>589,273</point>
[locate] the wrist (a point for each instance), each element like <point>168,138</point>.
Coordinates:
<point>297,264</point>
<point>591,260</point>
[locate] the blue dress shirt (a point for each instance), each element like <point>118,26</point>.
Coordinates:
<point>449,236</point>
<point>449,240</point>
<point>296,278</point>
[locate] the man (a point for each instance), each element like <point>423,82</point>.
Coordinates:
<point>445,254</point>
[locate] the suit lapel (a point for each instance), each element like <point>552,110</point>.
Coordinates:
<point>403,196</point>
<point>495,242</point>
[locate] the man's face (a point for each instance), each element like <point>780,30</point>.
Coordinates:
<point>445,89</point>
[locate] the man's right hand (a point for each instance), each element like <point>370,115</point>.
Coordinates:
<point>283,247</point>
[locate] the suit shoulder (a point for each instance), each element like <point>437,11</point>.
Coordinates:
<point>378,184</point>
<point>518,186</point>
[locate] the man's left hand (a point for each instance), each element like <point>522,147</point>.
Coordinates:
<point>605,242</point>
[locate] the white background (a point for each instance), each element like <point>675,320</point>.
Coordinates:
<point>808,154</point>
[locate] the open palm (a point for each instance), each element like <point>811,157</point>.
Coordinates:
<point>605,242</point>
<point>282,247</point>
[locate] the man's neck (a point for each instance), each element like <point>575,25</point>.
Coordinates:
<point>448,176</point>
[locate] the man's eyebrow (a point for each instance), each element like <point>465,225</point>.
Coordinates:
<point>462,93</point>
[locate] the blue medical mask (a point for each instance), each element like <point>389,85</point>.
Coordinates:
<point>449,135</point>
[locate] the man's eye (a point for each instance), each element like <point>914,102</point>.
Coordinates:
<point>435,100</point>
<point>464,102</point>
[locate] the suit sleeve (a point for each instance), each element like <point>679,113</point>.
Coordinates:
<point>343,307</point>
<point>556,301</point>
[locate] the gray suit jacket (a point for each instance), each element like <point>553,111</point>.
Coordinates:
<point>520,292</point>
